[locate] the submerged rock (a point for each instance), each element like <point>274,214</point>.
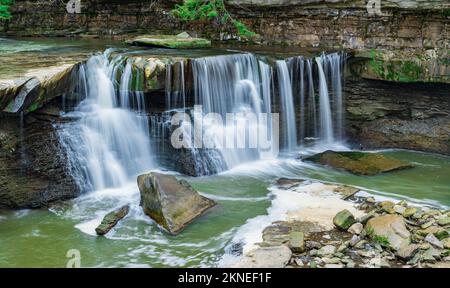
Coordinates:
<point>180,41</point>
<point>359,163</point>
<point>171,203</point>
<point>111,219</point>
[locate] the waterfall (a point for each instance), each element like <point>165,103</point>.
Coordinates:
<point>317,90</point>
<point>326,126</point>
<point>287,105</point>
<point>115,137</point>
<point>108,144</point>
<point>239,84</point>
<point>175,86</point>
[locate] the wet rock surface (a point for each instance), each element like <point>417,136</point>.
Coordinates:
<point>111,219</point>
<point>359,163</point>
<point>180,41</point>
<point>408,116</point>
<point>34,169</point>
<point>171,203</point>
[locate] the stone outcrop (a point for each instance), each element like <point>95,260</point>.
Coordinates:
<point>33,165</point>
<point>171,203</point>
<point>359,163</point>
<point>404,24</point>
<point>180,41</point>
<point>409,116</point>
<point>36,88</point>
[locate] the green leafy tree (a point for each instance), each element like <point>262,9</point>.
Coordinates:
<point>4,9</point>
<point>213,11</point>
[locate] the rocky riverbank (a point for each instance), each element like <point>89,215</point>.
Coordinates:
<point>350,231</point>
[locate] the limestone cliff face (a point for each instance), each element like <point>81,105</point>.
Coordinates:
<point>409,116</point>
<point>404,24</point>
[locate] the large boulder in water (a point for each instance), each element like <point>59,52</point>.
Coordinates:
<point>171,203</point>
<point>359,163</point>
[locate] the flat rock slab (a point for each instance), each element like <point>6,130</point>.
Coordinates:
<point>170,41</point>
<point>265,257</point>
<point>171,203</point>
<point>390,230</point>
<point>359,163</point>
<point>111,219</point>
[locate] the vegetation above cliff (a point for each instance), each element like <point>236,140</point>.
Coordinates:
<point>4,9</point>
<point>212,11</point>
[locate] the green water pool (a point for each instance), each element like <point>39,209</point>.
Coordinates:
<point>42,238</point>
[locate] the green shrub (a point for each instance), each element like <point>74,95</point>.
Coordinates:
<point>213,11</point>
<point>4,9</point>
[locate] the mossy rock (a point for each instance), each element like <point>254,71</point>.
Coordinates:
<point>359,163</point>
<point>344,219</point>
<point>170,41</point>
<point>171,203</point>
<point>111,219</point>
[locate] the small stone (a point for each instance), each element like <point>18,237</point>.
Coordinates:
<point>350,265</point>
<point>363,219</point>
<point>326,236</point>
<point>425,246</point>
<point>434,241</point>
<point>407,252</point>
<point>417,215</point>
<point>403,203</point>
<point>366,254</point>
<point>312,264</point>
<point>399,209</point>
<point>410,211</point>
<point>356,228</point>
<point>334,266</point>
<point>342,247</point>
<point>326,250</point>
<point>312,245</point>
<point>387,206</point>
<point>313,252</point>
<point>344,219</point>
<point>379,262</point>
<point>361,244</point>
<point>370,199</point>
<point>415,259</point>
<point>355,239</point>
<point>444,221</point>
<point>298,262</point>
<point>339,255</point>
<point>446,243</point>
<point>297,242</point>
<point>431,255</point>
<point>427,224</point>
<point>334,260</point>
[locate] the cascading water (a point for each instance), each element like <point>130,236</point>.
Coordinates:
<point>238,84</point>
<point>326,125</point>
<point>287,105</point>
<point>109,144</point>
<point>318,81</point>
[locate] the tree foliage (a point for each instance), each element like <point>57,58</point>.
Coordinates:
<point>4,9</point>
<point>213,11</point>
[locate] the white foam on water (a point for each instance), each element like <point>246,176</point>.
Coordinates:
<point>310,201</point>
